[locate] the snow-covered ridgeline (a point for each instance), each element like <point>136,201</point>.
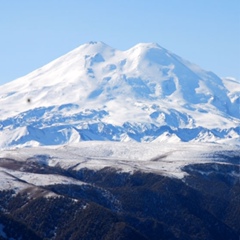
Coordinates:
<point>165,159</point>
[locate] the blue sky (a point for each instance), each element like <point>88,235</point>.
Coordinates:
<point>35,32</point>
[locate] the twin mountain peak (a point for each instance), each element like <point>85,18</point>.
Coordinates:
<point>95,92</point>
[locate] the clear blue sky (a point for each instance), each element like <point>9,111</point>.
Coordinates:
<point>34,32</point>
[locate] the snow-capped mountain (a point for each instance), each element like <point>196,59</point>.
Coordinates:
<point>95,92</point>
<point>124,189</point>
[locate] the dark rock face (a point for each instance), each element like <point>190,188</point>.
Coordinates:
<point>115,205</point>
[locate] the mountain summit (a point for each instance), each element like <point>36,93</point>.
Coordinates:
<point>96,92</point>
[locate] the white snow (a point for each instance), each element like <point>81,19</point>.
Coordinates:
<point>9,181</point>
<point>233,87</point>
<point>164,158</point>
<point>125,85</point>
<point>161,158</point>
<point>43,179</point>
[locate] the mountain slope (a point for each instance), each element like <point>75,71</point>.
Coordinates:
<point>96,92</point>
<point>108,190</point>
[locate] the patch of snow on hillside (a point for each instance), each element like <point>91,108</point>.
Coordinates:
<point>161,158</point>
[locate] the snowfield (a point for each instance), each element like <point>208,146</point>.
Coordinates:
<point>165,159</point>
